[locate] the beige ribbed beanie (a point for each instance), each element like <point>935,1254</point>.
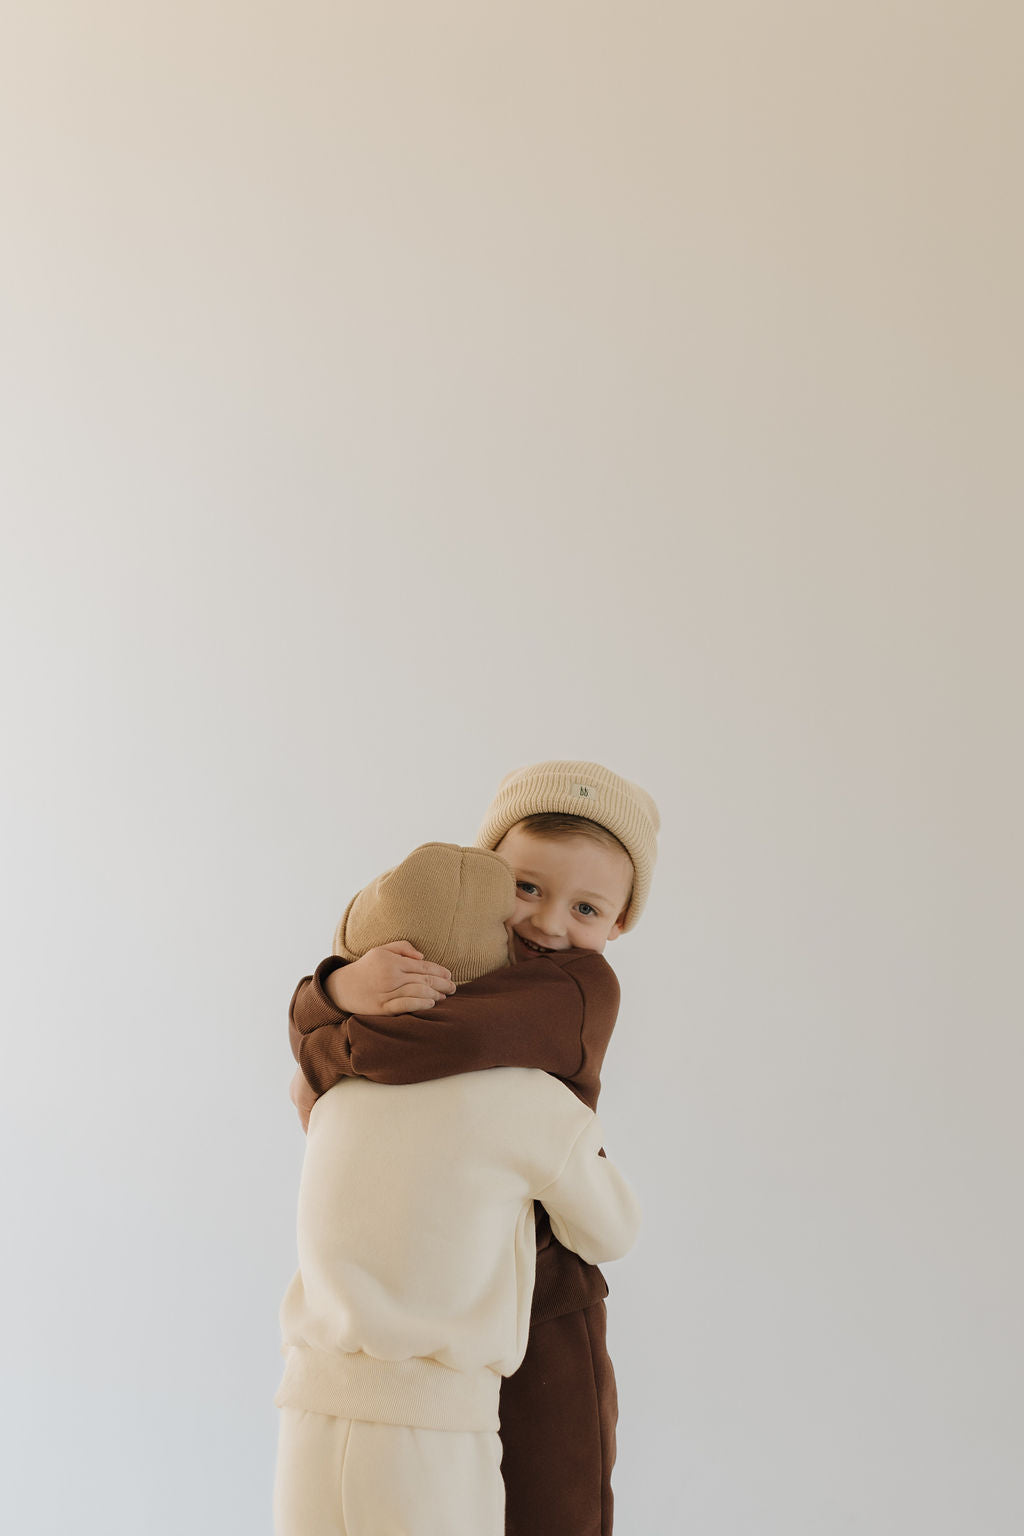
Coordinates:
<point>451,903</point>
<point>588,790</point>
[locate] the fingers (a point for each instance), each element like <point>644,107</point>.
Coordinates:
<point>436,977</point>
<point>421,989</point>
<point>408,1005</point>
<point>409,954</point>
<point>439,973</point>
<point>413,997</point>
<point>430,969</point>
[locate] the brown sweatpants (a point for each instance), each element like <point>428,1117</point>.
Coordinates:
<point>558,1416</point>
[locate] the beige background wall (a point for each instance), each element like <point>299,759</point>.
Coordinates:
<point>399,393</point>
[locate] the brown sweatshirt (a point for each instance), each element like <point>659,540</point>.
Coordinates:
<point>555,1012</point>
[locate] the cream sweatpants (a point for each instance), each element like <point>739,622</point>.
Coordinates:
<point>346,1477</point>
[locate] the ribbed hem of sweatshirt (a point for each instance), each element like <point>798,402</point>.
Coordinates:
<point>564,1284</point>
<point>416,1394</point>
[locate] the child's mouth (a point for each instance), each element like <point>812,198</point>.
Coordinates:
<point>537,948</point>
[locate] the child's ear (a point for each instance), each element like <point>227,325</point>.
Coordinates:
<point>617,926</point>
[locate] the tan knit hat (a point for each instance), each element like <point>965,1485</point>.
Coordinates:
<point>588,790</point>
<point>451,903</point>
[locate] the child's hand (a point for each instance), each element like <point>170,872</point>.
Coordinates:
<point>392,979</point>
<point>303,1097</point>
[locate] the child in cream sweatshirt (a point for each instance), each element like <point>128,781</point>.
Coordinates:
<point>417,1248</point>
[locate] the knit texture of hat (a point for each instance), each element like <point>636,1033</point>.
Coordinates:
<point>590,791</point>
<point>451,903</point>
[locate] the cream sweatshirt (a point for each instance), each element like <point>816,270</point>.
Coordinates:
<point>416,1240</point>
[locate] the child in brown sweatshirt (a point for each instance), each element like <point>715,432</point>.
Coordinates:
<point>417,1247</point>
<point>581,842</point>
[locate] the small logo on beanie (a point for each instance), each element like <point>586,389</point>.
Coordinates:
<point>582,791</point>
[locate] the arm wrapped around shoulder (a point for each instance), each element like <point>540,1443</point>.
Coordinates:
<point>592,1208</point>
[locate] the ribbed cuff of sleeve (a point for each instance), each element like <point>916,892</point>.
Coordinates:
<point>565,1283</point>
<point>319,1009</point>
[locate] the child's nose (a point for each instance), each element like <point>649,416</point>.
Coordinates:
<point>551,921</point>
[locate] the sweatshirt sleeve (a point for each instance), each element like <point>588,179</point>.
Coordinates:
<point>313,1016</point>
<point>536,1014</point>
<point>593,1211</point>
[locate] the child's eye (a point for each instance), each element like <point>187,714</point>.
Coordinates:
<point>526,885</point>
<point>586,909</point>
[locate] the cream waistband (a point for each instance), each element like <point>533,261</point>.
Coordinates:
<point>421,1394</point>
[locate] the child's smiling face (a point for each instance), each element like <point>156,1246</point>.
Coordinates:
<point>571,892</point>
